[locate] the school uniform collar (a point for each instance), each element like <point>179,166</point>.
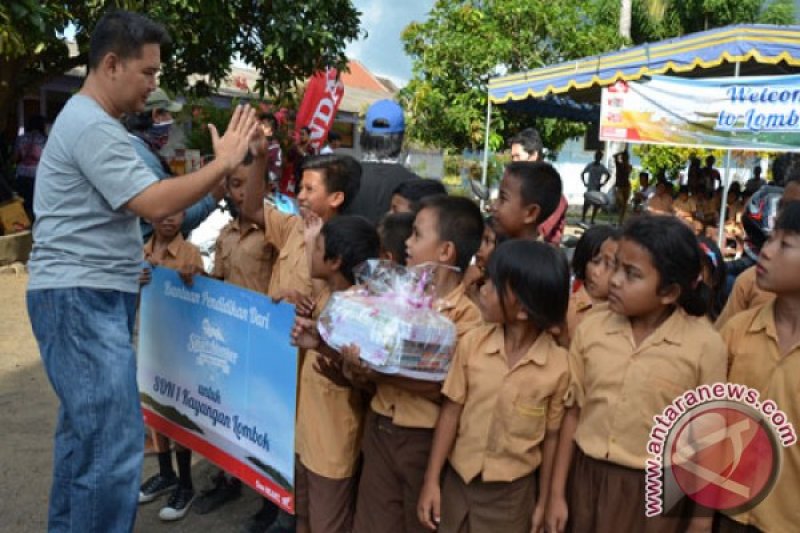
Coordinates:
<point>248,227</point>
<point>452,299</point>
<point>764,320</point>
<point>172,248</point>
<point>671,331</point>
<point>582,300</point>
<point>537,353</point>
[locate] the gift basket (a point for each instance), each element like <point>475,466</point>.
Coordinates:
<point>390,316</point>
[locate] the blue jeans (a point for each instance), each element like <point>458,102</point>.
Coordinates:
<point>84,338</point>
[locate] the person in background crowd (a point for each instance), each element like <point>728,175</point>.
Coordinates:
<point>598,176</point>
<point>709,175</point>
<point>622,186</point>
<point>269,126</point>
<point>27,152</point>
<point>382,144</point>
<point>755,182</point>
<point>527,146</point>
<point>333,144</point>
<point>149,133</point>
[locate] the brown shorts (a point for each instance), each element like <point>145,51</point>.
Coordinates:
<point>604,496</point>
<point>505,507</point>
<point>323,504</point>
<point>395,460</point>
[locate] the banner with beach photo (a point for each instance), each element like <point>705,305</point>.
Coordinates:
<point>216,373</point>
<point>752,113</point>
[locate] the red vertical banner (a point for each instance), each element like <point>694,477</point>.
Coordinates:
<point>324,93</point>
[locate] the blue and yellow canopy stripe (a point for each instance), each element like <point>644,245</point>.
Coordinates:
<point>763,44</point>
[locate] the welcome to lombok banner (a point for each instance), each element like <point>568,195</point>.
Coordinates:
<point>217,374</point>
<point>753,113</point>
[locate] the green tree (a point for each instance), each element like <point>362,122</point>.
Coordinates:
<point>464,43</point>
<point>284,40</point>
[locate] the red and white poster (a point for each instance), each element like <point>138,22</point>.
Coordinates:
<point>324,93</point>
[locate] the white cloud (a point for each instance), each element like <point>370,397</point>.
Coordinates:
<point>384,20</point>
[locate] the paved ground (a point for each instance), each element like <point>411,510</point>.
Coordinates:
<point>27,418</point>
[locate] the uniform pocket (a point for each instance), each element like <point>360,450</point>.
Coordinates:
<point>527,418</point>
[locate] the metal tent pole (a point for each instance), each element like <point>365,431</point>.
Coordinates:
<point>726,185</point>
<point>485,169</point>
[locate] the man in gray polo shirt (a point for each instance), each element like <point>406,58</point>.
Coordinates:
<point>91,190</point>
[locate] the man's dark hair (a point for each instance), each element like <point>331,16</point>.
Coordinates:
<point>35,123</point>
<point>395,229</point>
<point>529,139</point>
<point>381,146</point>
<point>785,168</point>
<point>342,174</point>
<point>540,184</point>
<point>333,136</point>
<point>417,189</point>
<point>124,33</point>
<point>460,222</point>
<point>351,239</point>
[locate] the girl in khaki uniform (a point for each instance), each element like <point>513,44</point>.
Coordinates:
<point>627,364</point>
<point>503,401</point>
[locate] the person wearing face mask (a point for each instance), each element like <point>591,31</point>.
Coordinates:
<point>149,132</point>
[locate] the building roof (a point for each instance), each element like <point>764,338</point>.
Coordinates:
<point>359,77</point>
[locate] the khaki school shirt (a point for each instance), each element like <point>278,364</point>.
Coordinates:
<point>620,387</point>
<point>506,411</point>
<point>329,419</point>
<point>744,295</point>
<point>580,305</point>
<point>412,410</point>
<point>291,270</point>
<point>756,361</point>
<point>243,258</point>
<point>179,254</point>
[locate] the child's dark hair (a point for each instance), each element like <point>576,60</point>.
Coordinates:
<point>460,222</point>
<point>352,239</point>
<point>676,256</point>
<point>589,246</point>
<point>540,184</point>
<point>394,230</point>
<point>789,217</point>
<point>542,291</point>
<point>272,119</point>
<point>416,189</point>
<point>342,174</point>
<point>711,256</point>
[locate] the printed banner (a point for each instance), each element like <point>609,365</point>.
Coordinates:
<point>753,113</point>
<point>323,95</point>
<point>217,374</point>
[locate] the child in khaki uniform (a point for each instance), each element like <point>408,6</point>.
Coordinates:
<point>329,183</point>
<point>241,256</point>
<point>627,364</point>
<point>167,248</point>
<point>399,426</point>
<point>503,401</point>
<point>330,411</point>
<point>592,265</point>
<point>764,346</point>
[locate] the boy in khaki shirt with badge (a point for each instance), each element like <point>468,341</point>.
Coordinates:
<point>329,410</point>
<point>764,347</point>
<point>399,426</point>
<point>167,248</point>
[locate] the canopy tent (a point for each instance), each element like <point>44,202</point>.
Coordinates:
<point>573,89</point>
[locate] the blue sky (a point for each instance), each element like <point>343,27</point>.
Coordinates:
<point>384,20</point>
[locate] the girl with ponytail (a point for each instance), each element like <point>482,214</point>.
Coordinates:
<point>628,363</point>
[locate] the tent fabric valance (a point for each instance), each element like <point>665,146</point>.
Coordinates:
<point>758,44</point>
